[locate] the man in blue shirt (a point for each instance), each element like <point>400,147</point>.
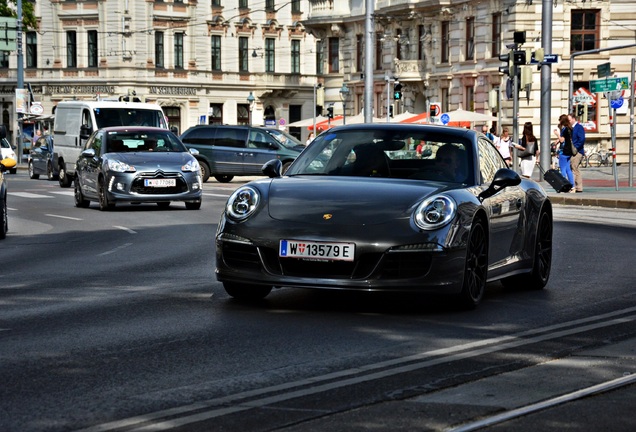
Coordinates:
<point>578,139</point>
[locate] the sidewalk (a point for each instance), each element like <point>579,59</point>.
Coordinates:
<point>599,189</point>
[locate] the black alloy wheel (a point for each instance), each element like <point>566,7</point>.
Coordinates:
<point>475,272</point>
<point>104,203</point>
<point>205,171</point>
<point>80,201</point>
<point>32,174</point>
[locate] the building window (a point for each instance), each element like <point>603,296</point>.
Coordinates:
<point>71,49</point>
<point>242,114</point>
<point>445,99</point>
<point>216,52</point>
<point>334,55</point>
<point>92,48</point>
<point>159,50</point>
<point>270,55</point>
<point>320,59</point>
<point>359,52</point>
<point>470,98</point>
<point>243,4</point>
<point>584,35</point>
<point>173,114</point>
<point>495,48</point>
<point>445,36</point>
<point>215,114</point>
<point>4,59</point>
<point>379,38</point>
<point>216,2</point>
<point>178,50</point>
<point>470,38</point>
<point>295,6</point>
<point>295,56</point>
<point>421,32</point>
<point>244,65</point>
<point>269,5</point>
<point>398,44</point>
<point>31,50</point>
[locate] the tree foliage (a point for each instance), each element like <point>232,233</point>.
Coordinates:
<point>8,8</point>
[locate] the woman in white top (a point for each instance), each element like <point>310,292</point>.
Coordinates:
<point>503,145</point>
<point>527,150</point>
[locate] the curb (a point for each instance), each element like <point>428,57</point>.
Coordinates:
<point>594,202</point>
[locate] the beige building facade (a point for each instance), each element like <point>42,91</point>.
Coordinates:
<point>447,52</point>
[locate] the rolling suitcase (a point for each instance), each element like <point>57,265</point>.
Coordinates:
<point>556,180</point>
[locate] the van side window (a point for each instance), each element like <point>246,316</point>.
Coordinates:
<point>86,119</point>
<point>259,140</point>
<point>230,137</point>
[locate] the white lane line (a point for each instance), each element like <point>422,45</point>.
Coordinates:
<point>212,408</point>
<point>118,248</point>
<point>62,217</point>
<point>579,394</point>
<point>216,195</point>
<point>29,195</point>
<point>68,193</point>
<point>128,230</point>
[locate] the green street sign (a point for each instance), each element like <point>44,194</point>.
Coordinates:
<point>604,70</point>
<point>609,84</point>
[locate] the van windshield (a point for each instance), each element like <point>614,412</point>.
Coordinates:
<point>106,117</point>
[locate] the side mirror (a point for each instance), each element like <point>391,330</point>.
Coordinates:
<point>504,178</point>
<point>273,168</point>
<point>85,131</point>
<point>88,153</point>
<point>194,152</point>
<point>174,130</point>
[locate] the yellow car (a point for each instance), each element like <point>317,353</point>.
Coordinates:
<point>5,164</point>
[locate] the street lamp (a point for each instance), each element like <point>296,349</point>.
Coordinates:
<point>250,100</point>
<point>344,94</point>
<point>316,87</point>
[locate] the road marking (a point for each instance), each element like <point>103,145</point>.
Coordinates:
<point>216,195</point>
<point>29,195</point>
<point>218,407</point>
<point>62,217</point>
<point>128,230</point>
<point>67,193</point>
<point>118,248</point>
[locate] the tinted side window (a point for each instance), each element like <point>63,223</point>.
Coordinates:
<point>230,137</point>
<point>261,140</point>
<point>490,160</point>
<point>202,135</point>
<point>96,143</point>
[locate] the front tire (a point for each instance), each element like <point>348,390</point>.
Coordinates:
<point>4,220</point>
<point>80,201</point>
<point>32,174</point>
<point>49,171</point>
<point>476,267</point>
<point>246,292</point>
<point>104,203</point>
<point>193,205</point>
<point>64,179</point>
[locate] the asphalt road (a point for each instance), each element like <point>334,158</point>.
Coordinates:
<point>113,321</point>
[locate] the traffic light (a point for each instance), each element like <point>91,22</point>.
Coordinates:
<point>519,57</point>
<point>397,91</point>
<point>509,65</point>
<point>330,112</point>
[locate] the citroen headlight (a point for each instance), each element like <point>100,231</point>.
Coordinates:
<point>191,166</point>
<point>242,203</point>
<point>435,212</point>
<point>118,166</point>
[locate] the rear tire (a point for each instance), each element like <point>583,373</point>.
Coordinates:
<point>80,201</point>
<point>223,178</point>
<point>246,292</point>
<point>205,171</point>
<point>32,174</point>
<point>476,267</point>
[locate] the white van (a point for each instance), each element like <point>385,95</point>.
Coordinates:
<point>75,121</point>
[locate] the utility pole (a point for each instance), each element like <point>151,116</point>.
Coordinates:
<point>546,86</point>
<point>20,77</point>
<point>369,62</point>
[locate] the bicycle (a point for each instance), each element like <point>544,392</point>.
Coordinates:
<point>599,158</point>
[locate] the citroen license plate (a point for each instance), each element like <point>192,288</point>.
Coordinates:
<point>160,182</point>
<point>317,250</point>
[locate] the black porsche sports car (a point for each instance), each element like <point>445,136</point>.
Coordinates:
<point>362,208</point>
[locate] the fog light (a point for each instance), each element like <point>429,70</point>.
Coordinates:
<point>119,186</point>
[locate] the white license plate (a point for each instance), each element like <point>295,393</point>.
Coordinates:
<point>317,250</point>
<point>160,182</point>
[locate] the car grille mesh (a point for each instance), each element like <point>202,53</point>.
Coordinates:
<point>139,188</point>
<point>394,265</point>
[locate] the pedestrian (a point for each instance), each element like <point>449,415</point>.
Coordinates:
<point>564,148</point>
<point>526,150</point>
<point>503,144</point>
<point>485,131</point>
<point>310,138</point>
<point>578,139</point>
<point>36,135</point>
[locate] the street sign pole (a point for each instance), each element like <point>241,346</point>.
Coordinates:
<point>612,117</point>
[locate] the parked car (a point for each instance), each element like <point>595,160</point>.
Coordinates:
<point>137,165</point>
<point>6,149</point>
<point>41,160</point>
<point>229,151</point>
<point>287,139</point>
<point>6,164</point>
<point>359,209</point>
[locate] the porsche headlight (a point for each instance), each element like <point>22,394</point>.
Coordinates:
<point>191,166</point>
<point>435,212</point>
<point>118,166</point>
<point>242,203</point>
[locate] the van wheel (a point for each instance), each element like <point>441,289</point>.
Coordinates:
<point>205,171</point>
<point>285,167</point>
<point>32,174</point>
<point>224,178</point>
<point>64,179</point>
